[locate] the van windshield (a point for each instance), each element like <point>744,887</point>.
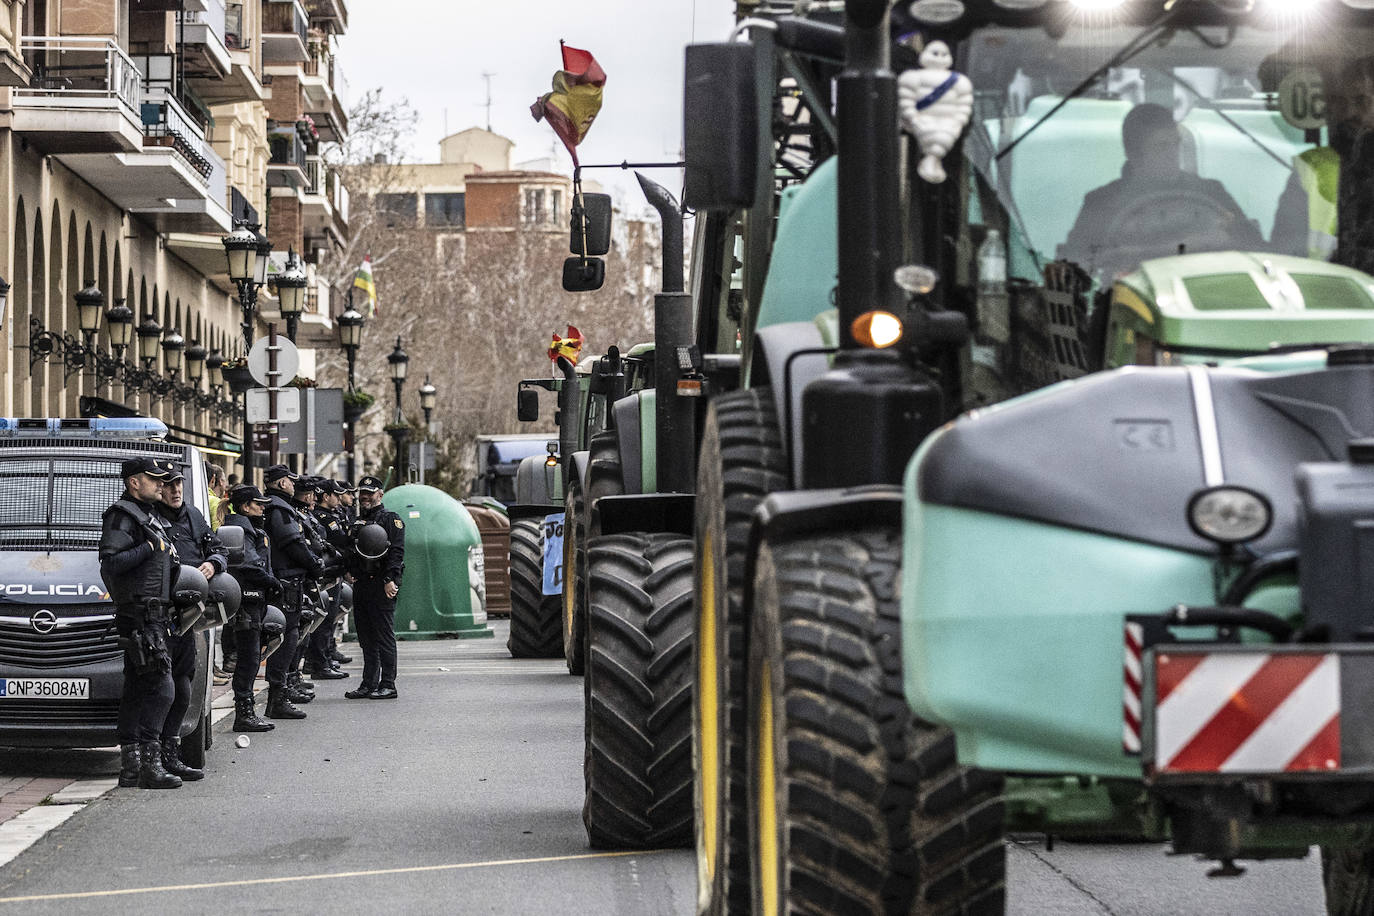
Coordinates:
<point>55,503</point>
<point>1205,138</point>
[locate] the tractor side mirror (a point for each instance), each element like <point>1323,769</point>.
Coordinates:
<point>231,538</point>
<point>591,221</point>
<point>527,405</point>
<point>583,275</point>
<point>720,126</point>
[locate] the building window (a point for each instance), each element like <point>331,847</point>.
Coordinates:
<point>398,209</point>
<point>534,206</point>
<point>445,210</point>
<point>556,207</point>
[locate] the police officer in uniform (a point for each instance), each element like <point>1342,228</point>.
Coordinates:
<point>137,564</point>
<point>319,661</point>
<point>306,500</point>
<point>295,566</point>
<point>377,581</point>
<point>196,545</point>
<point>254,574</point>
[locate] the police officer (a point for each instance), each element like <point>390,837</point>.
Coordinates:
<point>196,545</point>
<point>306,502</point>
<point>377,580</point>
<point>295,566</point>
<point>137,564</point>
<point>254,574</point>
<point>320,663</point>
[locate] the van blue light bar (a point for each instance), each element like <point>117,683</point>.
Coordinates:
<point>98,428</point>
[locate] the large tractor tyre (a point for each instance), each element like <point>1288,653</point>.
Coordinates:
<point>638,691</point>
<point>603,479</point>
<point>534,629</point>
<point>742,461</point>
<point>856,806</point>
<point>1348,877</point>
<point>573,610</point>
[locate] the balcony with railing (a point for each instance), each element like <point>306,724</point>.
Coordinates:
<point>204,50</point>
<point>287,166</point>
<point>84,96</point>
<point>285,29</point>
<point>235,36</point>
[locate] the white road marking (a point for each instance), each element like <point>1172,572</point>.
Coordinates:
<point>23,830</point>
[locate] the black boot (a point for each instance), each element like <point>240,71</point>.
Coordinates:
<point>246,717</point>
<point>279,705</point>
<point>128,766</point>
<point>296,691</point>
<point>151,775</point>
<point>171,761</point>
<point>340,657</point>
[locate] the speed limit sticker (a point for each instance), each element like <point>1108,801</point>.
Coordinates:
<point>1302,98</point>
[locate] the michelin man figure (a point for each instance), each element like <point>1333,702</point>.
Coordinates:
<point>935,103</point>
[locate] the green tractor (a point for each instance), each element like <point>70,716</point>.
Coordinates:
<point>911,632</point>
<point>583,392</point>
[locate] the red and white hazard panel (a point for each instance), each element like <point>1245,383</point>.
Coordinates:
<point>1245,712</point>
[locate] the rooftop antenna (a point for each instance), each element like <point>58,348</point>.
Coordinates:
<point>487,103</point>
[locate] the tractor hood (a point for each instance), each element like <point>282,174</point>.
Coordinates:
<point>1121,453</point>
<point>1241,302</point>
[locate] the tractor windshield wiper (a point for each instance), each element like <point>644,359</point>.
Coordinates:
<point>1135,46</point>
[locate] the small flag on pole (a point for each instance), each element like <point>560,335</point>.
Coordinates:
<point>362,279</point>
<point>575,100</point>
<point>569,347</point>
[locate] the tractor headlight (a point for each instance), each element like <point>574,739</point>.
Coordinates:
<point>1229,515</point>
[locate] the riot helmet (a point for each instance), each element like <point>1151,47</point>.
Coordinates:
<point>371,542</point>
<point>191,587</point>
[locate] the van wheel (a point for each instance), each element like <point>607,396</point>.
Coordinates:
<point>534,616</point>
<point>855,805</point>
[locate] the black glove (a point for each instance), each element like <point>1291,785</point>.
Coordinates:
<point>275,591</point>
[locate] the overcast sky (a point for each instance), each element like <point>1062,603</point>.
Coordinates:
<point>434,52</point>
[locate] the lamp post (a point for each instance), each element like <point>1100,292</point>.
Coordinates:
<point>291,285</point>
<point>88,303</point>
<point>428,395</point>
<point>119,318</point>
<point>241,249</point>
<point>351,338</point>
<point>399,361</point>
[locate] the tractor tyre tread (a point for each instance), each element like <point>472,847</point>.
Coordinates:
<point>638,692</point>
<point>535,618</point>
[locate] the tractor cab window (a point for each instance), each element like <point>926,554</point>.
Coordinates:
<point>1195,138</point>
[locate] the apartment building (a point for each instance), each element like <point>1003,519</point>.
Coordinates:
<point>133,134</point>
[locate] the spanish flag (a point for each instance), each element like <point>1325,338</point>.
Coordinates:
<point>575,100</point>
<point>362,279</point>
<point>569,347</point>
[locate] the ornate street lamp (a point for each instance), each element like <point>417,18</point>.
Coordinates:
<point>120,320</point>
<point>88,309</point>
<point>399,362</point>
<point>213,363</point>
<point>196,357</point>
<point>291,285</point>
<point>428,395</point>
<point>173,345</point>
<point>149,336</point>
<point>351,338</point>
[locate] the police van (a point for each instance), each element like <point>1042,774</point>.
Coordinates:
<point>61,666</point>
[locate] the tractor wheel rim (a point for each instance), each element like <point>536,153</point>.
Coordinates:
<point>708,705</point>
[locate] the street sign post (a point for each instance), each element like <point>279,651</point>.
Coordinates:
<point>260,408</point>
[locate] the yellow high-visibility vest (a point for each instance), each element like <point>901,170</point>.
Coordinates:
<point>1319,170</point>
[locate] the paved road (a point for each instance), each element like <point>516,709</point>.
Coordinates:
<point>464,797</point>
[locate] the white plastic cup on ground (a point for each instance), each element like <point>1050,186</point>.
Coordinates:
<point>241,741</point>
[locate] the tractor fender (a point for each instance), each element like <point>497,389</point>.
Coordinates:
<point>655,513</point>
<point>801,512</point>
<point>628,433</point>
<point>789,369</point>
<point>580,462</point>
